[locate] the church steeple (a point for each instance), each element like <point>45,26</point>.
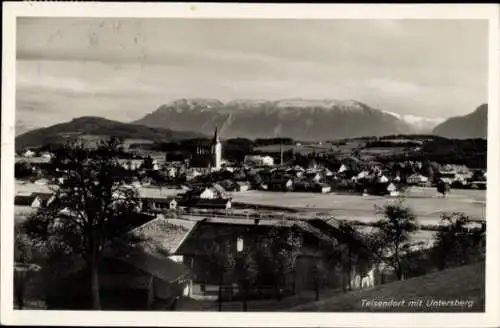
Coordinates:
<point>216,137</point>
<point>217,151</point>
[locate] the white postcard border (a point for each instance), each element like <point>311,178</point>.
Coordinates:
<point>241,11</point>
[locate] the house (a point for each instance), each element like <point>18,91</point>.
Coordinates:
<point>363,174</point>
<point>478,185</point>
<point>45,198</point>
<point>46,155</point>
<point>29,153</point>
<point>171,172</point>
<point>313,176</point>
<point>322,188</point>
<point>343,168</point>
<point>218,191</point>
<point>242,186</point>
<point>130,164</point>
<point>393,190</point>
<point>327,172</point>
<point>228,184</point>
<point>142,275</point>
<point>417,179</point>
<point>302,186</point>
<point>258,160</point>
<point>41,181</point>
<point>297,172</point>
<point>151,203</point>
<point>447,174</point>
<point>27,201</point>
<point>192,174</point>
<point>215,203</point>
<point>240,234</point>
<point>383,179</point>
<point>215,191</point>
<point>281,184</point>
<point>136,281</point>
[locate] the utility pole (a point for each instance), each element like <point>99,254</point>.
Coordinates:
<point>281,152</point>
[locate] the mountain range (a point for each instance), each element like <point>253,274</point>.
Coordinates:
<point>302,119</point>
<point>90,126</point>
<point>299,119</point>
<point>473,125</point>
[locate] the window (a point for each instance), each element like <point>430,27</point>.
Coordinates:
<point>239,244</point>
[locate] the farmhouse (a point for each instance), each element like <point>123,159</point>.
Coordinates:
<point>215,203</point>
<point>322,188</point>
<point>242,234</point>
<point>281,184</point>
<point>393,190</point>
<point>258,160</point>
<point>417,179</point>
<point>28,201</point>
<point>139,281</point>
<point>150,203</point>
<point>29,153</point>
<point>242,186</point>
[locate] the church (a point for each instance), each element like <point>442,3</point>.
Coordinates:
<point>208,154</point>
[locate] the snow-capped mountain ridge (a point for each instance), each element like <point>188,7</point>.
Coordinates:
<point>314,119</point>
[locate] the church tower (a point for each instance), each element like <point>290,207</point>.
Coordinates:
<point>216,152</point>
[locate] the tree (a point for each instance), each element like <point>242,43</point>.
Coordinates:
<point>455,244</point>
<point>147,164</point>
<point>247,271</point>
<point>277,255</point>
<point>26,254</point>
<point>318,272</point>
<point>221,261</point>
<point>23,170</point>
<point>92,206</point>
<point>443,187</point>
<point>395,230</point>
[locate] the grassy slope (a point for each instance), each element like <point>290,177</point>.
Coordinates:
<point>464,283</point>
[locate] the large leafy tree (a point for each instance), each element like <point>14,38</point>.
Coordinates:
<point>93,204</point>
<point>443,187</point>
<point>246,271</point>
<point>456,244</point>
<point>28,257</point>
<point>277,255</point>
<point>395,231</point>
<point>221,262</point>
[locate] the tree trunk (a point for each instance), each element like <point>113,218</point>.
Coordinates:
<point>349,272</point>
<point>19,292</point>
<point>244,295</point>
<point>316,289</point>
<point>94,285</point>
<point>221,281</point>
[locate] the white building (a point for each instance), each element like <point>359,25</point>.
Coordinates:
<point>216,152</point>
<point>259,160</point>
<point>417,179</point>
<point>29,153</point>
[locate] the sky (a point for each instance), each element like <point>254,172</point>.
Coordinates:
<point>123,69</point>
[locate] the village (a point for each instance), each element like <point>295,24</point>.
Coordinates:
<point>183,209</point>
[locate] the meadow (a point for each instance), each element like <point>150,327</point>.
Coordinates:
<point>427,204</point>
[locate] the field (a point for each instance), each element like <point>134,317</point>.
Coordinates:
<point>426,203</point>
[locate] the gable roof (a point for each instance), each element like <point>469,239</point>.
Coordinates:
<point>165,200</point>
<point>159,267</point>
<point>161,236</point>
<point>24,200</point>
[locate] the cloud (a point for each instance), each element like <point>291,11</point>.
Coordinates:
<point>394,88</point>
<point>125,68</point>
